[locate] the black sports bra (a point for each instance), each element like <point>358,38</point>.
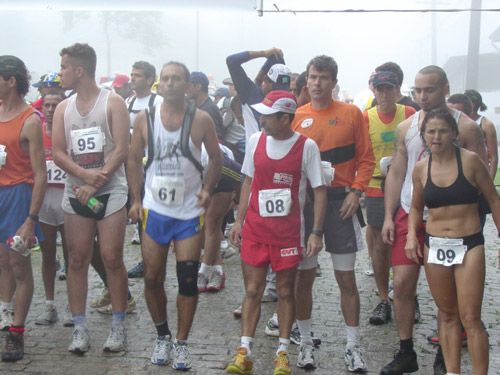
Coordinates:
<point>461,191</point>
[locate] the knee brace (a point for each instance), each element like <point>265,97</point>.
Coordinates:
<point>187,277</point>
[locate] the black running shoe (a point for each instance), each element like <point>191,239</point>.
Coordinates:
<point>403,362</point>
<point>137,271</point>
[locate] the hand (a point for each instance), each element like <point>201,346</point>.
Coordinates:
<point>274,52</point>
<point>388,232</point>
<point>27,232</point>
<point>84,193</point>
<point>235,234</point>
<point>349,206</point>
<point>412,249</point>
<point>95,177</point>
<point>314,245</point>
<point>203,199</point>
<point>135,212</point>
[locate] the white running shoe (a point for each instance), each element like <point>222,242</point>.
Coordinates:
<point>306,359</point>
<point>49,316</point>
<point>202,282</point>
<point>136,240</point>
<point>162,353</point>
<point>117,340</point>
<point>272,327</point>
<point>354,360</point>
<point>6,318</point>
<point>81,341</point>
<point>181,358</point>
<point>217,282</point>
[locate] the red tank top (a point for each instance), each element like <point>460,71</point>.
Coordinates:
<point>55,175</point>
<point>269,176</point>
<point>18,165</point>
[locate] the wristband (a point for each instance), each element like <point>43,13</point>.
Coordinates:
<point>356,191</point>
<point>34,217</point>
<point>317,232</point>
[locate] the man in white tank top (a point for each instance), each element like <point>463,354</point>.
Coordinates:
<point>173,206</point>
<point>90,142</point>
<point>431,89</point>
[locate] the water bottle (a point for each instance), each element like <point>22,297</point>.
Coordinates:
<point>17,244</point>
<point>93,203</point>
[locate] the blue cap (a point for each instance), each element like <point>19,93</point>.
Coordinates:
<point>199,78</point>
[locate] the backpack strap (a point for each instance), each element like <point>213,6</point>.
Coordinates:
<point>131,105</point>
<point>151,102</point>
<point>150,119</point>
<point>186,134</point>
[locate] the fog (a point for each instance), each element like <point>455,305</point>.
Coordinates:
<point>202,33</point>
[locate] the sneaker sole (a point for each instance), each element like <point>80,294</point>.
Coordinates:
<point>45,322</point>
<point>114,350</point>
<point>307,366</point>
<point>79,351</point>
<point>181,368</point>
<point>236,370</point>
<point>379,322</point>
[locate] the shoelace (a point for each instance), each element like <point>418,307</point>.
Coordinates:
<point>282,361</point>
<point>380,308</point>
<point>182,353</point>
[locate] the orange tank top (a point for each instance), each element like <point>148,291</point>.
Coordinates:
<point>17,168</point>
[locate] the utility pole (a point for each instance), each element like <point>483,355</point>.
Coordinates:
<point>259,6</point>
<point>472,75</point>
<point>434,34</point>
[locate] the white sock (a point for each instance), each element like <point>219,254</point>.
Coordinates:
<point>283,347</point>
<point>8,306</point>
<point>352,336</point>
<point>274,319</point>
<point>452,373</point>
<point>305,331</point>
<point>247,343</point>
<point>218,269</point>
<point>205,269</point>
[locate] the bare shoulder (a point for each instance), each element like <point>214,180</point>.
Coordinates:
<point>465,123</point>
<point>470,158</point>
<point>32,127</point>
<point>116,101</point>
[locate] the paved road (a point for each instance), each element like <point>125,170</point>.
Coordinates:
<point>215,333</point>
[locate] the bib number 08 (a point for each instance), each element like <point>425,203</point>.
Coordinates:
<point>275,202</point>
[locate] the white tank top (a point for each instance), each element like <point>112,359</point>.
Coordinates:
<point>89,143</point>
<point>172,180</point>
<point>416,151</point>
<point>478,121</point>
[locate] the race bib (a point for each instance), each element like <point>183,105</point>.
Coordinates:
<point>3,156</point>
<point>275,202</point>
<point>55,175</point>
<point>168,190</point>
<point>85,141</point>
<point>446,251</point>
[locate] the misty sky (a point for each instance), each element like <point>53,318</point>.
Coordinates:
<point>34,31</point>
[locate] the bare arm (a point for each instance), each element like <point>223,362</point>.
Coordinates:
<point>135,174</point>
<point>32,135</point>
<point>235,233</point>
<point>471,137</point>
<point>412,248</point>
<point>394,182</point>
<point>491,145</point>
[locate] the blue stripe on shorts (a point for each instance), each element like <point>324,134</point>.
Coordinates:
<point>163,229</point>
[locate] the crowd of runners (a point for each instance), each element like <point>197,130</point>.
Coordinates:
<point>280,158</point>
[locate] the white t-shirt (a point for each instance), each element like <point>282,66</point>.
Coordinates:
<point>277,149</point>
<point>139,105</point>
<point>204,154</point>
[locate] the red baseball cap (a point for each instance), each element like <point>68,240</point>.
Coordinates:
<point>120,80</point>
<point>277,101</point>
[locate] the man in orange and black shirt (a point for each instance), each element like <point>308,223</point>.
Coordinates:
<point>342,136</point>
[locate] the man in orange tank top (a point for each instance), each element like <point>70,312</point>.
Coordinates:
<point>22,188</point>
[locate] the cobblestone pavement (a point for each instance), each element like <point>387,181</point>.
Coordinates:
<point>215,333</point>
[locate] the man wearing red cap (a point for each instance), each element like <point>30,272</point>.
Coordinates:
<point>121,85</point>
<point>269,226</point>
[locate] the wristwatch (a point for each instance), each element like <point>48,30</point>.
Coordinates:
<point>356,191</point>
<point>34,217</point>
<point>318,232</point>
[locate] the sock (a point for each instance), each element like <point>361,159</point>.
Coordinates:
<point>7,306</point>
<point>305,331</point>
<point>352,336</point>
<point>162,330</point>
<point>283,347</point>
<point>205,269</point>
<point>17,329</point>
<point>118,318</point>
<point>50,303</point>
<point>218,269</point>
<point>406,345</point>
<point>180,342</point>
<point>247,343</point>
<point>80,320</point>
<point>129,296</point>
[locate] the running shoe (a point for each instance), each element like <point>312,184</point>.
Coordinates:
<point>116,341</point>
<point>202,282</point>
<point>282,364</point>
<point>418,315</point>
<point>6,318</point>
<point>181,358</point>
<point>14,347</point>
<point>103,300</point>
<point>217,282</point>
<point>237,312</point>
<point>137,271</point>
<point>49,316</point>
<point>136,240</point>
<point>108,309</point>
<point>403,362</point>
<point>81,341</point>
<point>381,314</point>
<point>269,296</point>
<point>68,318</point>
<point>306,358</point>
<point>296,338</point>
<point>439,366</point>
<point>354,360</point>
<point>272,328</point>
<point>241,363</point>
<point>162,352</point>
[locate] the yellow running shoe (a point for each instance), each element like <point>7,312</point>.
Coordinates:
<point>281,365</point>
<point>241,364</point>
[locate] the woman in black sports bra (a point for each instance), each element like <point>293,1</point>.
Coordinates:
<point>448,183</point>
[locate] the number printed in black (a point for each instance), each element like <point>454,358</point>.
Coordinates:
<point>86,144</point>
<point>163,194</point>
<point>448,255</point>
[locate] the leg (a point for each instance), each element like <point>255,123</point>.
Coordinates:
<point>214,216</point>
<point>23,275</point>
<point>255,279</point>
<point>111,233</point>
<point>80,245</point>
<point>97,263</point>
<point>7,281</point>
<point>187,250</point>
<point>285,285</point>
<point>405,285</point>
<point>49,249</point>
<point>469,278</point>
<point>303,293</point>
<point>381,257</point>
<point>442,285</point>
